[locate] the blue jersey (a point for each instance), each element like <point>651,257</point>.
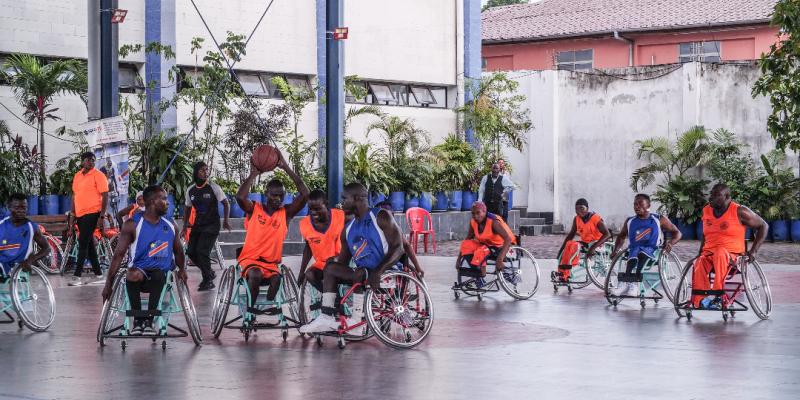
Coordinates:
<point>152,247</point>
<point>644,235</point>
<point>16,242</point>
<point>366,241</point>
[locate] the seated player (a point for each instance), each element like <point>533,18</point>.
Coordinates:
<point>410,255</point>
<point>17,235</point>
<point>131,210</point>
<point>266,226</point>
<point>371,243</point>
<point>487,232</point>
<point>644,231</point>
<point>593,232</point>
<point>321,230</point>
<point>154,250</point>
<point>724,226</point>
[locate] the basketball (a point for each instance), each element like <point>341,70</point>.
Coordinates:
<point>265,158</point>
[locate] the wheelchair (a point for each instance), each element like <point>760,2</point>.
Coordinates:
<point>233,291</point>
<point>105,245</point>
<point>744,277</point>
<point>658,279</point>
<point>30,296</point>
<point>587,271</point>
<point>116,318</point>
<point>519,278</point>
<point>50,264</point>
<point>399,313</point>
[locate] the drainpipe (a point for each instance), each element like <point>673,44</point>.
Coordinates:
<point>621,38</point>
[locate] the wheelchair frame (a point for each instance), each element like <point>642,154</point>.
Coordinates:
<point>651,280</point>
<point>119,303</point>
<point>70,254</point>
<point>593,278</point>
<point>730,293</point>
<point>285,305</point>
<point>15,289</point>
<point>469,288</point>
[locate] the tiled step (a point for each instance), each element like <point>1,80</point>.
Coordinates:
<point>531,221</point>
<point>538,230</point>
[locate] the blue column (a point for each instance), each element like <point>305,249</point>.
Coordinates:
<point>160,27</point>
<point>321,80</point>
<point>472,52</point>
<point>334,106</point>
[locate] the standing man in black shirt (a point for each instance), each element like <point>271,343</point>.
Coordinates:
<point>492,189</point>
<point>201,215</point>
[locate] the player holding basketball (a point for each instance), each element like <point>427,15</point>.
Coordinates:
<point>267,223</point>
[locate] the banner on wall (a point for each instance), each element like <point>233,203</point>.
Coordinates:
<point>108,140</point>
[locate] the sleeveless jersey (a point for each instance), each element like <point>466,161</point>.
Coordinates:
<point>327,244</point>
<point>265,236</point>
<point>725,232</point>
<point>366,241</point>
<point>644,235</point>
<point>487,236</point>
<point>16,242</point>
<point>588,230</point>
<point>152,246</point>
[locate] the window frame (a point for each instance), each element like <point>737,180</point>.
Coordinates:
<point>574,62</point>
<point>700,56</point>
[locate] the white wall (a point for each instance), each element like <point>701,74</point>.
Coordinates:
<point>585,126</point>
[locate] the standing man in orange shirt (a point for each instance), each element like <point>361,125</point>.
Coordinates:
<point>90,201</point>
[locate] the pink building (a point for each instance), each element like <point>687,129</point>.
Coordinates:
<point>586,34</point>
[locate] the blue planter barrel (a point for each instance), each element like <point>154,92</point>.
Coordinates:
<point>33,205</point>
<point>170,206</point>
<point>467,198</point>
<point>748,234</point>
<point>255,197</point>
<point>687,230</point>
<point>454,200</point>
<point>698,229</point>
<point>398,200</point>
<point>49,205</point>
<point>794,229</point>
<point>64,204</point>
<point>376,198</point>
<point>780,230</point>
<point>441,202</point>
<point>236,211</point>
<point>426,201</point>
<point>411,201</point>
<point>221,209</point>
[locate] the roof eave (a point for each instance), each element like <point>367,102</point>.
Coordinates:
<point>590,35</point>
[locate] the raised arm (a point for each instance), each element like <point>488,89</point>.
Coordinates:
<point>302,190</point>
<point>753,221</point>
<point>675,233</point>
<point>244,190</point>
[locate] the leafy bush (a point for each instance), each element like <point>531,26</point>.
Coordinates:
<point>454,164</point>
<point>776,189</point>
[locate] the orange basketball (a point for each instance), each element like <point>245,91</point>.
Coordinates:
<point>265,158</point>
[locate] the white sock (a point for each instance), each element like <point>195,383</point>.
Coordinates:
<point>328,299</point>
<point>358,303</point>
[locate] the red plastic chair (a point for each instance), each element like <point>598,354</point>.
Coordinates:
<point>420,223</point>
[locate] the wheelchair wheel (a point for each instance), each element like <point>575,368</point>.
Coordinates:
<point>113,314</point>
<point>400,311</point>
<point>218,256</point>
<point>759,294</point>
<point>291,295</point>
<point>669,271</point>
<point>310,301</point>
<point>188,311</point>
<point>52,263</point>
<point>682,297</point>
<point>520,276</point>
<point>222,301</point>
<point>580,277</point>
<point>33,298</point>
<point>69,248</point>
<point>612,282</point>
<point>599,265</point>
<point>104,253</point>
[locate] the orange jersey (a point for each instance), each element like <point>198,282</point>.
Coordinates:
<point>323,245</point>
<point>263,243</point>
<point>589,231</point>
<point>487,236</point>
<point>87,191</point>
<point>725,232</point>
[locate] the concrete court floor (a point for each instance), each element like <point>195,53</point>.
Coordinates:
<point>553,346</point>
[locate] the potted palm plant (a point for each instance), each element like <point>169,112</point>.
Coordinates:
<point>776,196</point>
<point>454,165</point>
<point>365,164</point>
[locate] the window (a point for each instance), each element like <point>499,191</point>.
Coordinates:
<point>251,83</point>
<point>422,96</point>
<point>254,83</point>
<point>129,79</point>
<point>484,63</point>
<point>382,93</point>
<point>575,60</point>
<point>700,51</point>
<point>401,94</point>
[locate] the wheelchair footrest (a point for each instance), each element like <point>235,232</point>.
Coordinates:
<point>708,292</point>
<point>267,311</point>
<point>470,272</point>
<point>143,313</point>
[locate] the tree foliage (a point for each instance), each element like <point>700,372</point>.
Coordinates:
<point>780,79</point>
<point>496,3</point>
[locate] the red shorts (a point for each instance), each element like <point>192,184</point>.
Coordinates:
<point>267,269</point>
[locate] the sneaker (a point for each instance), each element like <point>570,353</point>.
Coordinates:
<point>620,290</point>
<point>323,323</point>
<point>206,285</point>
<point>480,282</point>
<point>138,328</point>
<point>711,303</point>
<point>511,276</point>
<point>633,289</point>
<point>148,328</point>
<point>75,281</point>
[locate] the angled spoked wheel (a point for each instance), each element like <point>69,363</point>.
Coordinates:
<point>113,314</point>
<point>669,270</point>
<point>520,276</point>
<point>189,312</point>
<point>222,300</point>
<point>759,295</point>
<point>400,312</point>
<point>33,298</point>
